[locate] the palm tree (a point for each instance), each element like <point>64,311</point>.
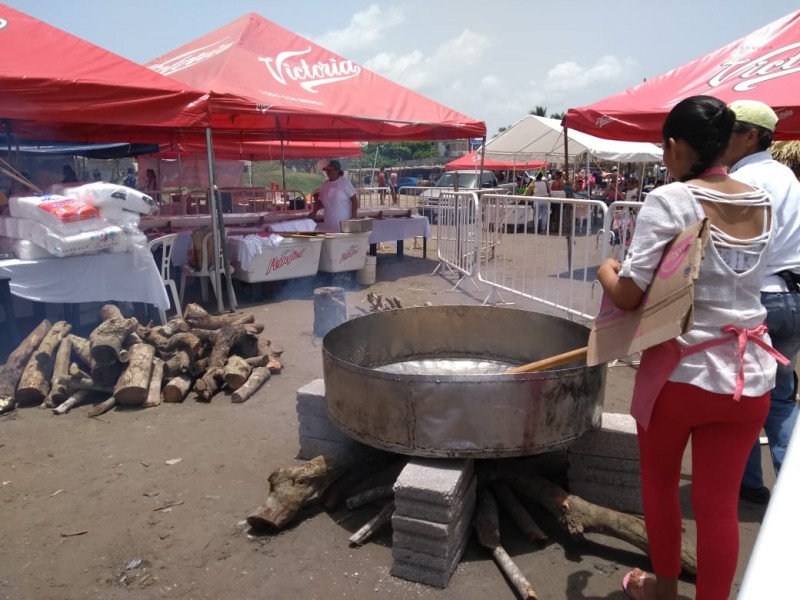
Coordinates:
<point>558,116</point>
<point>539,111</point>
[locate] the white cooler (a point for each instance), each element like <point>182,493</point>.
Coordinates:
<point>344,251</point>
<point>293,257</point>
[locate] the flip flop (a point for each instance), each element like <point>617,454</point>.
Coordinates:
<point>633,584</point>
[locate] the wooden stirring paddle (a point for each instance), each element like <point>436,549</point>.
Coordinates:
<point>552,361</point>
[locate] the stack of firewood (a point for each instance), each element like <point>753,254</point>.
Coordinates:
<point>128,364</point>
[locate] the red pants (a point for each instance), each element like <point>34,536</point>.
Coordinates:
<point>723,432</point>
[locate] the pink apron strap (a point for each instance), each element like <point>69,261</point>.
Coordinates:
<point>742,336</point>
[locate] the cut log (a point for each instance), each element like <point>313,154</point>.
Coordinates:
<point>226,338</point>
<point>236,372</point>
<point>102,407</point>
<point>124,353</point>
<point>81,349</point>
<point>521,517</point>
<point>176,388</point>
<point>274,364</point>
<point>110,311</point>
<point>154,391</point>
<point>74,370</point>
<point>579,516</point>
<point>370,462</point>
<point>73,384</point>
<point>198,318</point>
<point>291,488</point>
<point>209,384</point>
<point>177,364</point>
<point>384,517</point>
<point>12,370</point>
<point>74,400</point>
<point>107,338</point>
<point>258,377</point>
<point>34,384</point>
<point>187,342</point>
<point>487,525</point>
<point>257,361</point>
<point>107,375</point>
<point>173,326</point>
<point>58,393</point>
<point>134,383</point>
<point>370,495</point>
<point>198,367</point>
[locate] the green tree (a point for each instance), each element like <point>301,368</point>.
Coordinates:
<point>389,153</point>
<point>558,116</point>
<point>539,111</point>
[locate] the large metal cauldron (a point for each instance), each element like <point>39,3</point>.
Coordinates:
<point>428,381</point>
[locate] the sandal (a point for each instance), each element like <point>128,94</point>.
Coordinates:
<point>634,584</point>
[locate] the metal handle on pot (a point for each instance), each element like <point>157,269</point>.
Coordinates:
<point>552,361</point>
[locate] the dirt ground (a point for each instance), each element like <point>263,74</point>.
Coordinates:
<point>83,499</point>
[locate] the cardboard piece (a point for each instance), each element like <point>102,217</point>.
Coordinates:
<point>666,308</point>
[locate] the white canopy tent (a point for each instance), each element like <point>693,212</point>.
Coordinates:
<point>539,138</point>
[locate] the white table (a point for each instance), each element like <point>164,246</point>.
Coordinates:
<point>105,277</point>
<point>399,229</point>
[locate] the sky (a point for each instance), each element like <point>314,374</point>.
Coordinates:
<point>493,61</point>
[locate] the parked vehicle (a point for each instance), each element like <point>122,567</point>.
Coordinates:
<point>467,180</point>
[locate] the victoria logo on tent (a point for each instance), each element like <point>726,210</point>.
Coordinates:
<point>3,23</point>
<point>754,71</point>
<point>191,58</point>
<point>285,66</point>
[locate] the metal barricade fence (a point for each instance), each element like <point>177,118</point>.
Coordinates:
<point>457,233</point>
<point>543,249</point>
<point>618,225</point>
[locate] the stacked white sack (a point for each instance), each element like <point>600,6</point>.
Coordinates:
<point>108,238</point>
<point>60,213</point>
<point>103,195</point>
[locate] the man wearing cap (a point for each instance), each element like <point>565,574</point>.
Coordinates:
<point>751,162</point>
<point>337,197</point>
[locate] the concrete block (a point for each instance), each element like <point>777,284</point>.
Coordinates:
<point>311,447</point>
<point>605,476</point>
<point>439,532</point>
<point>312,407</point>
<point>440,481</point>
<point>417,569</point>
<point>322,428</point>
<point>437,513</point>
<point>432,546</point>
<point>616,439</point>
<point>315,389</point>
<point>621,498</point>
<point>602,463</point>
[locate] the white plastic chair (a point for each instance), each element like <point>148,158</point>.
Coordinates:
<point>167,242</point>
<point>206,270</point>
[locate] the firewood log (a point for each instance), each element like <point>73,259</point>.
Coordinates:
<point>257,361</point>
<point>521,517</point>
<point>198,367</point>
<point>274,364</point>
<point>110,311</point>
<point>372,464</point>
<point>109,335</point>
<point>578,516</point>
<point>209,384</point>
<point>58,393</point>
<point>74,400</point>
<point>258,377</point>
<point>107,375</point>
<point>154,391</point>
<point>34,384</point>
<point>198,318</point>
<point>226,338</point>
<point>177,364</point>
<point>371,495</point>
<point>134,383</point>
<point>176,388</point>
<point>384,517</point>
<point>102,407</point>
<point>74,370</point>
<point>187,342</point>
<point>236,372</point>
<point>12,370</point>
<point>486,523</point>
<point>81,349</point>
<point>73,384</point>
<point>124,353</point>
<point>292,487</point>
<point>173,326</point>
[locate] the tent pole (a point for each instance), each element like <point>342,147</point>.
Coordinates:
<point>566,153</point>
<point>218,230</point>
<point>283,163</point>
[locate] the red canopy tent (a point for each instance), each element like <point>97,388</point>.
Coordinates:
<point>473,161</point>
<point>261,77</point>
<point>764,65</point>
<point>50,77</point>
<point>235,149</point>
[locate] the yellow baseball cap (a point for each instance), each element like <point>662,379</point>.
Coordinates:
<point>754,112</point>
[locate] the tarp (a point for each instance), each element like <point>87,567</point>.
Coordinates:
<point>50,76</point>
<point>473,161</point>
<point>540,138</point>
<point>262,77</point>
<point>764,65</point>
<point>103,151</point>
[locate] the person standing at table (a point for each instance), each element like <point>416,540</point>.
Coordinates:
<point>337,197</point>
<point>750,161</point>
<point>382,185</point>
<point>710,385</point>
<point>393,185</point>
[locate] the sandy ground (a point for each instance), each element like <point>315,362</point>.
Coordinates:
<point>81,497</point>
